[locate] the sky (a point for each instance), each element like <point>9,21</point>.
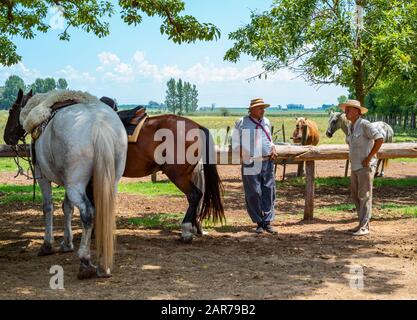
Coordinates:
<point>133,64</point>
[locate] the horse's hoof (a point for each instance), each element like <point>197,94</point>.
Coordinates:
<point>187,239</point>
<point>102,274</point>
<point>86,271</point>
<point>64,248</point>
<point>46,250</point>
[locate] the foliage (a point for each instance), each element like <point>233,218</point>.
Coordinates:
<point>181,97</point>
<point>23,18</point>
<point>11,88</point>
<point>321,41</point>
<point>62,84</point>
<point>43,85</point>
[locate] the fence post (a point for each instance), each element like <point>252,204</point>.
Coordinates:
<point>309,200</point>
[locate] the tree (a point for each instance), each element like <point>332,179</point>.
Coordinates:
<point>180,97</point>
<point>50,84</point>
<point>22,18</point>
<point>187,97</point>
<point>62,84</point>
<point>11,87</point>
<point>171,96</point>
<point>194,98</point>
<point>38,86</point>
<point>349,43</point>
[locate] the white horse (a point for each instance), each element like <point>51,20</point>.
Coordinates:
<point>83,148</point>
<point>338,120</point>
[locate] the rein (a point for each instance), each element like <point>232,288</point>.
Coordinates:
<point>20,170</point>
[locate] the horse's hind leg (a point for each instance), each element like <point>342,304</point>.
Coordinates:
<point>383,169</point>
<point>78,197</point>
<point>377,174</point>
<point>190,223</point>
<point>68,208</point>
<point>48,211</point>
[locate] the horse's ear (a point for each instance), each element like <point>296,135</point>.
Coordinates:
<point>30,93</point>
<point>20,95</point>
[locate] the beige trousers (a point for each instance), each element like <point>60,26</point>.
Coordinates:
<point>361,183</point>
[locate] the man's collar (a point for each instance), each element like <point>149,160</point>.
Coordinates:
<point>356,124</point>
<point>259,121</point>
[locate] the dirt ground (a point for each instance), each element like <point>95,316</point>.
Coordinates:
<point>318,260</point>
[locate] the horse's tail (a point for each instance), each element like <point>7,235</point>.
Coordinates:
<point>390,138</point>
<point>104,179</point>
<point>212,207</point>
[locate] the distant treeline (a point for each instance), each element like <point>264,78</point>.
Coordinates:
<point>8,92</point>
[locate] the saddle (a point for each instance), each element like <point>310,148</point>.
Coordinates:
<point>110,102</point>
<point>133,121</point>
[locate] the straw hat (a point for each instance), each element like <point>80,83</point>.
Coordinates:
<point>355,104</point>
<point>258,103</point>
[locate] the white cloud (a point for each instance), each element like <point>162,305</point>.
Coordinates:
<point>200,73</point>
<point>28,75</point>
<point>70,73</point>
<point>108,58</point>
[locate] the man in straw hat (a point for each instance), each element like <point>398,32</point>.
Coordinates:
<point>253,137</point>
<point>364,142</point>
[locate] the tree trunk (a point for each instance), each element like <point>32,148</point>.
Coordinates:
<point>359,87</point>
<point>405,120</point>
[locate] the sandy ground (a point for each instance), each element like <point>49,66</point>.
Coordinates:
<point>318,260</point>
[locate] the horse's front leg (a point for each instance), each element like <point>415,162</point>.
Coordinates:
<point>48,211</point>
<point>68,208</point>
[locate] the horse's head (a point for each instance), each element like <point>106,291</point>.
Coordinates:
<point>14,130</point>
<point>334,123</point>
<point>297,135</point>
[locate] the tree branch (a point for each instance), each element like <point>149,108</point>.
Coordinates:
<point>378,74</point>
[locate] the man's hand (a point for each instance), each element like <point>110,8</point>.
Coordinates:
<point>365,162</point>
<point>274,153</point>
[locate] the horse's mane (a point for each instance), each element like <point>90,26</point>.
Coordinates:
<point>38,108</point>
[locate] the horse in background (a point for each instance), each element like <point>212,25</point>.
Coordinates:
<point>338,120</point>
<point>312,136</point>
<point>82,146</point>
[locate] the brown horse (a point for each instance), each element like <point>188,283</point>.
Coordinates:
<point>312,136</point>
<point>164,144</point>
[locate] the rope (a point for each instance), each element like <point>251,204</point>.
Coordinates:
<point>20,170</point>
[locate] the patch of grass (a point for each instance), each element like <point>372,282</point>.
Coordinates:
<point>8,165</point>
<point>404,160</point>
<point>158,220</point>
<point>398,208</point>
<point>10,193</point>
<point>406,182</point>
<point>340,207</point>
<point>410,211</point>
<point>150,188</point>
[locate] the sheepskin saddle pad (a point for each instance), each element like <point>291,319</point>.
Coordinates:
<point>39,108</point>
